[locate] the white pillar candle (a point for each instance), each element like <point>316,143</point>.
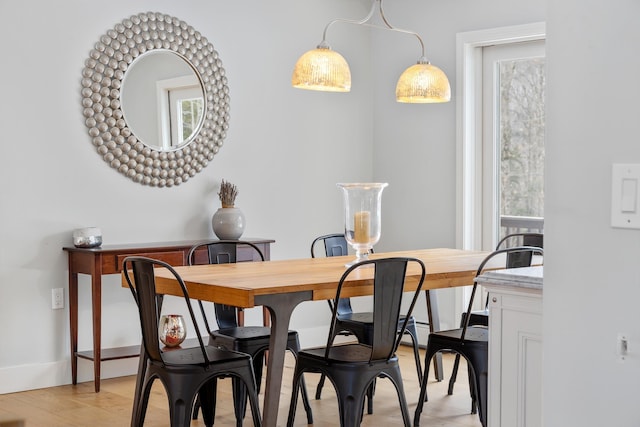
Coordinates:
<point>361,226</point>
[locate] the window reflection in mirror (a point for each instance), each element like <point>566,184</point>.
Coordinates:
<point>162,100</point>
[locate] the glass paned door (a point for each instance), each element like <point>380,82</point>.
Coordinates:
<point>513,139</point>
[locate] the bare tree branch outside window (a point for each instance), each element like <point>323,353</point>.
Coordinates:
<point>522,135</point>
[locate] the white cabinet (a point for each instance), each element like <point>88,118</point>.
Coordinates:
<point>515,347</point>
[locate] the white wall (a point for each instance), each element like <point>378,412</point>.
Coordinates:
<point>591,270</point>
<point>285,151</point>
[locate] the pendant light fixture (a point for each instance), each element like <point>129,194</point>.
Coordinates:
<point>326,70</point>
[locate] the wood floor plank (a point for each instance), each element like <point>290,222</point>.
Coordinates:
<point>80,406</point>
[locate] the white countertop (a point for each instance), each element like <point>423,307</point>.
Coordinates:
<point>524,277</point>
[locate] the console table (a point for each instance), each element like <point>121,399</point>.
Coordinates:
<point>107,259</point>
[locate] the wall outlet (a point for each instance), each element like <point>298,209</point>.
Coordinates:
<point>622,346</point>
<point>57,298</point>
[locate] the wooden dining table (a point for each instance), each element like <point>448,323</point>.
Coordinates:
<point>283,284</point>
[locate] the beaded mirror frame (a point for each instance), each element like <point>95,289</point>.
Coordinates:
<point>110,133</point>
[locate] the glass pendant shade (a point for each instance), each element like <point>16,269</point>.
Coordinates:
<point>423,83</point>
<point>322,69</point>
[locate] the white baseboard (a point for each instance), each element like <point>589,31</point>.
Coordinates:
<point>30,377</point>
<point>35,376</point>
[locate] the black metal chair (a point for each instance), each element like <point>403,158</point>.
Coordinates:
<point>359,324</point>
<point>514,260</point>
<point>353,367</point>
<point>253,340</point>
<point>184,372</point>
<point>471,342</point>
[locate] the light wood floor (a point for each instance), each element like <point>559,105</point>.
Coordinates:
<point>80,406</point>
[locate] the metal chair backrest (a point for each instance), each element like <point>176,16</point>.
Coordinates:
<point>334,245</point>
<point>520,259</point>
<point>149,302</point>
<point>388,289</point>
<point>220,252</point>
<point>506,251</point>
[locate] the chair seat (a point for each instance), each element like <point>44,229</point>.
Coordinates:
<point>193,356</point>
<point>246,333</point>
<point>345,353</point>
<point>361,325</point>
<point>474,334</point>
<point>365,318</point>
<point>253,340</point>
<point>477,318</point>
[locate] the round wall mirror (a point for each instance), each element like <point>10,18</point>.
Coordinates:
<point>155,99</point>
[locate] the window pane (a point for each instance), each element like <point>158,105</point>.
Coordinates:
<point>190,113</point>
<point>522,126</point>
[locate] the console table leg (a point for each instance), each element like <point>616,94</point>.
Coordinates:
<point>96,302</point>
<point>73,323</point>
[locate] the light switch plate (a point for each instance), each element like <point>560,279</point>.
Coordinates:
<point>625,196</point>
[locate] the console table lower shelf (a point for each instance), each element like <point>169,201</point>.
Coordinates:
<point>107,259</point>
<point>127,352</point>
<point>114,353</point>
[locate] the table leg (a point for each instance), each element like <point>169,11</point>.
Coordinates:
<point>96,303</point>
<point>434,325</point>
<point>280,307</point>
<point>73,324</point>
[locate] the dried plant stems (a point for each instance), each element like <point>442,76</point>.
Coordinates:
<point>228,193</point>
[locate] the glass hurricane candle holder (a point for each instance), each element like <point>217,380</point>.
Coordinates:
<point>362,216</point>
<point>172,330</point>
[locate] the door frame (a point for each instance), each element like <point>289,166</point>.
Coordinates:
<point>469,123</point>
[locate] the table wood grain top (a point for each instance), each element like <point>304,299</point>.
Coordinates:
<point>239,284</point>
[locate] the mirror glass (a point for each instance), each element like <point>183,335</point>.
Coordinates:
<point>162,100</point>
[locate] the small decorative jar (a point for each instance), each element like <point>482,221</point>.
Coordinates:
<point>87,237</point>
<point>172,330</point>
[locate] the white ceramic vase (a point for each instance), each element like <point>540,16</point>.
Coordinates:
<point>228,223</point>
